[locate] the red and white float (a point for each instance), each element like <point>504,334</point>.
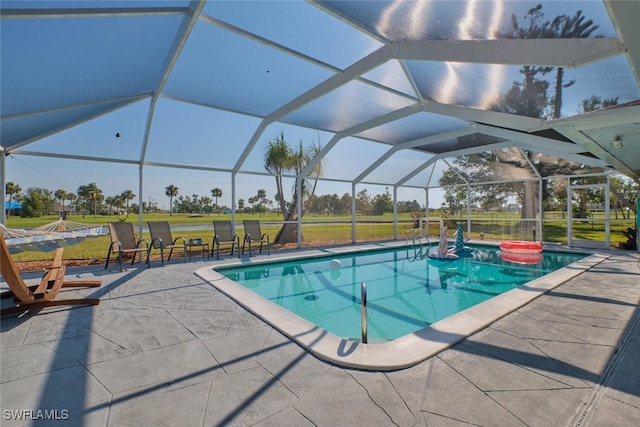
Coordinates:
<point>521,246</point>
<point>521,252</point>
<point>521,258</point>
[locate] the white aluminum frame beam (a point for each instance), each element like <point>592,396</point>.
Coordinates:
<point>74,157</point>
<point>90,12</point>
<point>624,17</point>
<point>127,100</point>
<point>512,121</point>
<point>355,70</point>
<point>189,21</point>
<point>413,144</point>
<point>534,140</point>
<point>592,146</point>
<point>564,53</point>
<point>378,121</point>
<point>614,116</point>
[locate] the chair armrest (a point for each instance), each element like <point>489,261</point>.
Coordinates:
<point>146,242</point>
<point>184,242</point>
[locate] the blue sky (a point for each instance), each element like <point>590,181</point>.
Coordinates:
<point>189,127</point>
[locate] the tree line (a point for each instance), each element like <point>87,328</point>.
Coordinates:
<point>90,200</point>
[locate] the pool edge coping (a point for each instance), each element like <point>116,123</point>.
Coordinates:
<point>402,352</point>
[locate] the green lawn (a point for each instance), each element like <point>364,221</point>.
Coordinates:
<point>323,230</point>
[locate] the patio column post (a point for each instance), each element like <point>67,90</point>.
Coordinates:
<point>569,211</point>
<point>468,210</point>
<point>299,231</point>
<point>426,212</point>
<point>540,210</point>
<point>607,214</point>
<point>3,185</point>
<point>395,213</point>
<point>233,202</point>
<point>353,212</point>
<point>140,210</point>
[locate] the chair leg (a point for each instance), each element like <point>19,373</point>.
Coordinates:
<point>120,260</point>
<point>108,255</point>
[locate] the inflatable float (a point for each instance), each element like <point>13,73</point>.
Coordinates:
<point>521,252</point>
<point>521,247</point>
<point>522,258</point>
<point>460,249</point>
<point>443,251</point>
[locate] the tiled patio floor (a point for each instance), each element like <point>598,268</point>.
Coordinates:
<point>166,348</point>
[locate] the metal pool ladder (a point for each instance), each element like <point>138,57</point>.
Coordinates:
<point>421,249</point>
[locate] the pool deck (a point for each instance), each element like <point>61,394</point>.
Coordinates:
<point>164,347</point>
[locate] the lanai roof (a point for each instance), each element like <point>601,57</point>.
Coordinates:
<point>417,77</point>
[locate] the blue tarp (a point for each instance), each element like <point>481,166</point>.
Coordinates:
<point>14,205</point>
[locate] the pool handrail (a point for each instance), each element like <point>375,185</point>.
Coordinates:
<point>363,311</point>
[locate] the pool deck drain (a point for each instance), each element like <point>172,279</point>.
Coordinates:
<point>166,348</point>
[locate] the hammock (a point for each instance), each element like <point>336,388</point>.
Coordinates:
<point>48,237</point>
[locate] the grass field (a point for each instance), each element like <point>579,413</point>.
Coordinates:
<point>323,230</point>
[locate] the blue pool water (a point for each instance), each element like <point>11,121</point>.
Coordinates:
<point>404,293</point>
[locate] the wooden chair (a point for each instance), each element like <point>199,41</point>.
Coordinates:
<point>223,234</point>
<point>41,295</point>
<point>123,241</point>
<point>253,234</point>
<point>162,239</point>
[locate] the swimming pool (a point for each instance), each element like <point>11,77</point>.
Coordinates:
<point>408,298</point>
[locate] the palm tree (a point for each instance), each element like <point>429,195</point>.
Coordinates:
<point>118,202</point>
<point>205,202</point>
<point>61,195</point>
<point>277,160</point>
<point>71,198</point>
<point>127,195</point>
<point>91,192</point>
<point>111,201</point>
<point>280,158</point>
<point>12,190</point>
<point>215,193</point>
<point>171,191</point>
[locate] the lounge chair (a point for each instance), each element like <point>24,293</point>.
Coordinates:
<point>123,241</point>
<point>253,234</point>
<point>223,234</point>
<point>162,239</point>
<point>41,295</point>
